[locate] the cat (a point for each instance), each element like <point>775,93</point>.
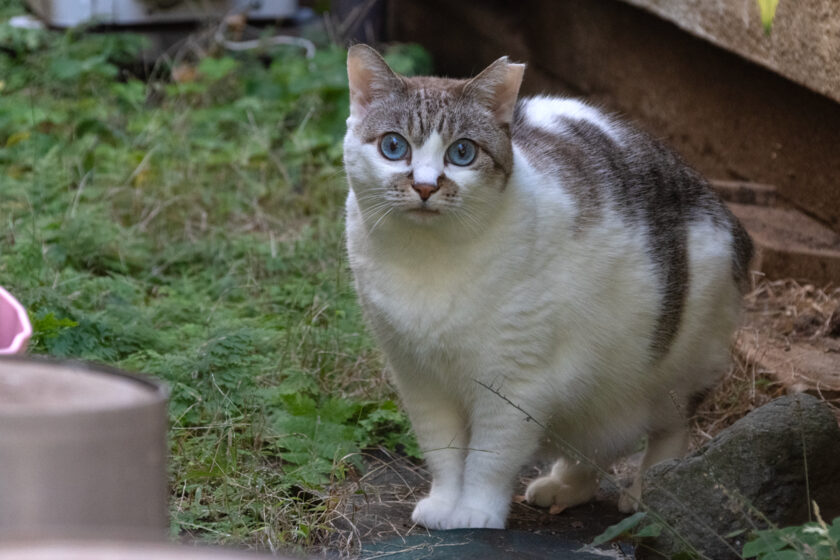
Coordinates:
<point>542,279</point>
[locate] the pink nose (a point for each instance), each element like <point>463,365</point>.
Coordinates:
<point>425,190</point>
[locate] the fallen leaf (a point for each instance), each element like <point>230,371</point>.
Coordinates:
<point>184,73</point>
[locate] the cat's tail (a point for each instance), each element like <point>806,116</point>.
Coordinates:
<point>743,252</point>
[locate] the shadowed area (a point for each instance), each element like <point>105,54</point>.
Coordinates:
<point>377,515</point>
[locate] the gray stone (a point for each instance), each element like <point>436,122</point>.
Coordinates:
<point>765,468</point>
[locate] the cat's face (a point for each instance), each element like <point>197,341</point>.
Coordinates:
<point>428,149</point>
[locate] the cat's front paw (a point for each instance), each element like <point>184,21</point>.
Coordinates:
<point>463,517</point>
<point>432,513</point>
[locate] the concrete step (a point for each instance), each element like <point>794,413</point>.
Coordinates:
<point>788,243</point>
<point>742,192</point>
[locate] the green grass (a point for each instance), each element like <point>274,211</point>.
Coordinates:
<point>194,232</point>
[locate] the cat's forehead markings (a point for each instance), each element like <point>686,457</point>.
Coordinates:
<point>426,160</point>
<point>430,109</point>
<point>429,152</point>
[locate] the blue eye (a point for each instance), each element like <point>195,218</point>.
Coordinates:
<point>462,152</point>
<point>393,146</point>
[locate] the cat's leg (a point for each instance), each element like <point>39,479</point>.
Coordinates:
<point>440,427</point>
<point>501,441</point>
<point>661,446</point>
<point>570,483</point>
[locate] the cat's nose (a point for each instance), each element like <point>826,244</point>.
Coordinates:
<point>425,190</point>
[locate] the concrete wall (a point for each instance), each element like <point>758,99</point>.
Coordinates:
<point>804,44</point>
<point>730,118</point>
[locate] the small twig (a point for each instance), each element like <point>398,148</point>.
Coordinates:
<point>78,194</point>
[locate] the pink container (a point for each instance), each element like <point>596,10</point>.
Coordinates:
<point>15,328</point>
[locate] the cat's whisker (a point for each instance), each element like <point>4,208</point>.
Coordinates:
<point>466,217</point>
<point>376,206</point>
<point>471,217</point>
<point>463,219</point>
<point>388,211</point>
<point>374,213</point>
<point>371,194</point>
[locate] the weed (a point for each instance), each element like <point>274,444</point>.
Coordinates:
<point>812,541</point>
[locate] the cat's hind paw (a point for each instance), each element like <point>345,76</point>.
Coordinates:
<point>549,492</point>
<point>432,513</point>
<point>628,501</point>
<point>546,491</point>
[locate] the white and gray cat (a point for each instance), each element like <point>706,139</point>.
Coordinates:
<point>540,277</point>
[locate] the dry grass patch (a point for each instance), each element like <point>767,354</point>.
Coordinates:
<point>778,314</point>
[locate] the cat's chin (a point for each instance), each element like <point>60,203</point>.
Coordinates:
<point>422,214</point>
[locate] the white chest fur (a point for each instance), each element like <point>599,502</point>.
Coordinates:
<point>510,298</point>
<point>433,296</point>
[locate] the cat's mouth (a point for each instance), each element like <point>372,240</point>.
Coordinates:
<point>422,210</point>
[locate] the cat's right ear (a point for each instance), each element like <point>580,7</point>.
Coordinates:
<point>497,88</point>
<point>370,77</point>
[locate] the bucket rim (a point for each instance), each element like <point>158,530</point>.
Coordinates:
<point>159,391</point>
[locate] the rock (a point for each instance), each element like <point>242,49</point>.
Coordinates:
<point>750,475</point>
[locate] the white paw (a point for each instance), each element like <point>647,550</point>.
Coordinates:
<point>628,502</point>
<point>432,513</point>
<point>550,492</point>
<point>463,517</point>
<point>544,491</point>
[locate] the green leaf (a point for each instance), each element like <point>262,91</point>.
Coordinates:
<point>214,69</point>
<point>409,59</point>
<point>47,325</point>
<point>786,555</point>
<point>765,542</point>
<point>649,531</point>
<point>620,528</point>
<point>734,534</point>
<point>296,382</point>
<point>767,8</point>
<point>834,531</point>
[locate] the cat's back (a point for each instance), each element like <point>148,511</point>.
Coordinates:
<point>607,162</point>
<point>624,183</point>
<point>611,169</point>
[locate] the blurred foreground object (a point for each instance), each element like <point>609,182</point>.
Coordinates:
<point>15,328</point>
<point>117,550</point>
<point>82,452</point>
<point>70,13</point>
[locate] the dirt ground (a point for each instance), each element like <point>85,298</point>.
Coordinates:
<point>783,316</point>
<point>789,342</point>
<point>377,506</point>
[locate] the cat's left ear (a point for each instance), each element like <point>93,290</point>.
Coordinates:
<point>370,77</point>
<point>497,88</point>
